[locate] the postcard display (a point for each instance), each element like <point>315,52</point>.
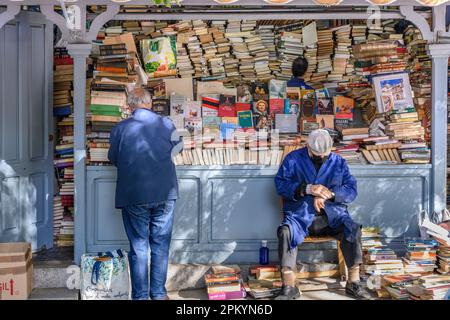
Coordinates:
<point>224,86</point>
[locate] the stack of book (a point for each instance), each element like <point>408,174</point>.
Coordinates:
<point>224,283</point>
<point>342,48</point>
<point>58,215</point>
<point>289,47</point>
<point>406,128</point>
<point>379,57</point>
<point>324,52</point>
<point>420,256</point>
<point>264,281</point>
<point>419,67</point>
<point>350,139</point>
<point>64,147</point>
<point>132,27</point>
<point>381,150</point>
<point>267,34</point>
<point>66,232</point>
<point>359,33</point>
<point>184,65</point>
<point>443,258</point>
<point>62,83</point>
<point>396,286</point>
<point>431,287</point>
<point>310,54</point>
<point>106,111</point>
<point>113,31</point>
<point>375,32</point>
<point>261,57</point>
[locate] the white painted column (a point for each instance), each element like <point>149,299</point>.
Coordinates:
<point>79,52</point>
<point>439,54</point>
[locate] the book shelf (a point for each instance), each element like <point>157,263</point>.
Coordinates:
<point>409,185</point>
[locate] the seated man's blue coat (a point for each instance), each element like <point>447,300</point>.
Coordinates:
<point>298,168</point>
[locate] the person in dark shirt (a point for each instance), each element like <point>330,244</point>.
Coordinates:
<point>141,147</point>
<point>299,67</point>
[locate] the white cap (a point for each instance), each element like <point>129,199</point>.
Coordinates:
<point>320,142</point>
<point>264,243</point>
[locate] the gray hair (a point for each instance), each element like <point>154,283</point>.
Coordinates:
<point>138,98</point>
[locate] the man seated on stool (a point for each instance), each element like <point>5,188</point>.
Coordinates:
<point>316,186</point>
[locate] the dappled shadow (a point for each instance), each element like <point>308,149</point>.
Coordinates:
<point>18,212</point>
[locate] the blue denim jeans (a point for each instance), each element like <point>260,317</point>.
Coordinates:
<point>149,226</point>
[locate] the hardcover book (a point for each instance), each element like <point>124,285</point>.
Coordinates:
<point>260,107</point>
<point>192,109</point>
<point>277,89</point>
<point>260,91</point>
<point>210,105</point>
<point>177,104</point>
<point>276,106</point>
<point>291,106</point>
<point>227,106</point>
<point>343,107</point>
<point>325,106</point>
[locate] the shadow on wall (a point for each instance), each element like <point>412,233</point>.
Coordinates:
<point>389,203</point>
<point>18,197</point>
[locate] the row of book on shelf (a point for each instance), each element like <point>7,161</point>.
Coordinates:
<point>218,111</point>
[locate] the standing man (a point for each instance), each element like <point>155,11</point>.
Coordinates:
<point>316,186</point>
<point>146,191</point>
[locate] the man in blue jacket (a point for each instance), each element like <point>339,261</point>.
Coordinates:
<point>147,188</point>
<point>316,186</point>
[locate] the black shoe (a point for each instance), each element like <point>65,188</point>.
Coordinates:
<point>289,293</point>
<point>356,290</point>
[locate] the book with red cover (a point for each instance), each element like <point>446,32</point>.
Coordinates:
<point>242,106</point>
<point>276,106</point>
<point>227,106</point>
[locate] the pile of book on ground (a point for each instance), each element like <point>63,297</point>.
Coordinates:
<point>420,257</point>
<point>443,258</point>
<point>246,56</point>
<point>396,286</point>
<point>224,283</point>
<point>378,259</point>
<point>263,281</point>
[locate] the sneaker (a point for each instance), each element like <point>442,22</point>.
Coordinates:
<point>356,290</point>
<point>289,293</point>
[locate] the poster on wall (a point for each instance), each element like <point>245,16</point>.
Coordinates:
<point>159,56</point>
<point>393,93</point>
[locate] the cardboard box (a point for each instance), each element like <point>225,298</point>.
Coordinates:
<point>16,271</point>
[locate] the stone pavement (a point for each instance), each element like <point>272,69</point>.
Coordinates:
<point>195,294</point>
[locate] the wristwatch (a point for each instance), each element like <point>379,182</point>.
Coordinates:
<point>333,194</point>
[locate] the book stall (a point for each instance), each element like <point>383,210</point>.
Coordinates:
<point>224,82</point>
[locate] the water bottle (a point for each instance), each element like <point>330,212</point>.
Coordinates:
<point>264,253</point>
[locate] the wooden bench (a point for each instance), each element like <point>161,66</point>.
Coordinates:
<point>342,271</point>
